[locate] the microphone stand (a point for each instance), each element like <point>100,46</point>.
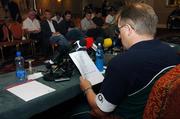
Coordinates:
<point>63,70</point>
<point>51,75</point>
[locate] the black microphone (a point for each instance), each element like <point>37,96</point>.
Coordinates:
<point>80,45</point>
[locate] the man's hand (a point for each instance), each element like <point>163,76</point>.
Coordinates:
<point>55,34</point>
<point>84,83</point>
<point>37,31</point>
<point>32,31</point>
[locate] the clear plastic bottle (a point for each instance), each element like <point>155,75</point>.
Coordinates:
<point>99,58</point>
<point>20,70</point>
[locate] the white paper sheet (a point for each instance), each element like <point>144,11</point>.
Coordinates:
<point>86,67</point>
<point>35,76</point>
<point>30,90</point>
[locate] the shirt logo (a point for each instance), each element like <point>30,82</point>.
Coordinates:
<point>100,98</point>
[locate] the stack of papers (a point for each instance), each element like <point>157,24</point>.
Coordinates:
<point>30,90</point>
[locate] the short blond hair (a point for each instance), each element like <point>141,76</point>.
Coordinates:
<point>140,16</point>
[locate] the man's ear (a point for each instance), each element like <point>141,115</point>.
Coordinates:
<point>130,30</point>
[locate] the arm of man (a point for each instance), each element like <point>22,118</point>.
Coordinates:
<point>91,97</point>
<point>38,26</point>
<point>45,29</point>
<point>83,25</point>
<point>31,27</point>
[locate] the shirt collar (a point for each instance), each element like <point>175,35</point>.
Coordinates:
<point>49,21</point>
<point>145,44</point>
<point>30,19</point>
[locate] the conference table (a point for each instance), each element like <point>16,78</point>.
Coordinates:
<point>13,107</point>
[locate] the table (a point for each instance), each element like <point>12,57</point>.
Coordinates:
<point>12,106</point>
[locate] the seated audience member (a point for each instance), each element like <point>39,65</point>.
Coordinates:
<point>31,26</point>
<point>90,28</point>
<point>98,32</point>
<point>58,18</point>
<point>66,24</point>
<point>93,13</point>
<point>49,28</point>
<point>98,20</point>
<point>87,23</point>
<point>129,76</point>
<point>110,18</point>
<point>110,22</point>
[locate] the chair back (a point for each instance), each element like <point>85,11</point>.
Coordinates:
<point>16,30</point>
<point>77,22</point>
<point>164,98</point>
<point>5,33</point>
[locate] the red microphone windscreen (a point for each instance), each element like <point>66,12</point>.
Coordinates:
<point>89,42</point>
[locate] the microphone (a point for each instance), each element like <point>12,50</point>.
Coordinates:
<point>80,45</point>
<point>107,43</point>
<point>89,43</point>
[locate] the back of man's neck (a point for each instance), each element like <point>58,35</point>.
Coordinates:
<point>142,38</point>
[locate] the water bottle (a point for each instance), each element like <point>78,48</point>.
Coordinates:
<point>20,70</point>
<point>99,57</point>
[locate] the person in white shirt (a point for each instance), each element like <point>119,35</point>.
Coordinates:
<point>110,23</point>
<point>32,29</point>
<point>110,18</point>
<point>31,25</point>
<point>87,23</point>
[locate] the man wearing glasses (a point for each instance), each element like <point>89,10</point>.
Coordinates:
<point>129,76</point>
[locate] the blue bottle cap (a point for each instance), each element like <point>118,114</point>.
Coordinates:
<point>18,53</point>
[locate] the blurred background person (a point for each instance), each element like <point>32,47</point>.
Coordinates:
<point>87,23</point>
<point>31,26</point>
<point>67,23</point>
<point>49,28</point>
<point>58,17</point>
<point>110,25</point>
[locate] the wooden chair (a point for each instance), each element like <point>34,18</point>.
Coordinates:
<point>17,35</point>
<point>164,99</point>
<point>77,22</point>
<point>6,42</point>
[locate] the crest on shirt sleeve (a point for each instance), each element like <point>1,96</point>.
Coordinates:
<point>100,98</point>
<point>103,104</point>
